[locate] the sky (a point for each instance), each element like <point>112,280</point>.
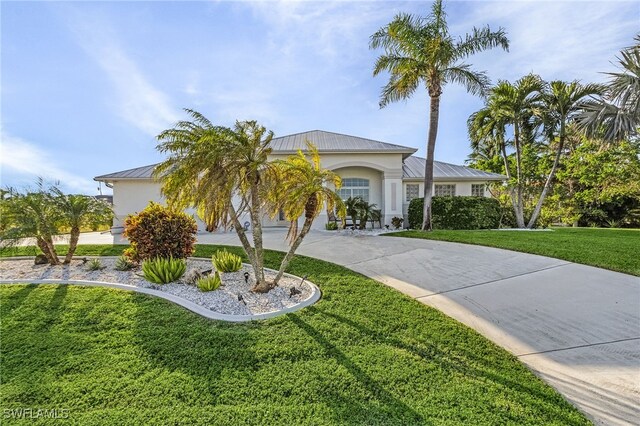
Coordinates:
<point>86,86</point>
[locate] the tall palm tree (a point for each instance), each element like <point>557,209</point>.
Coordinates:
<point>616,115</point>
<point>76,211</point>
<point>513,106</point>
<point>420,50</point>
<point>303,190</point>
<point>561,102</point>
<point>210,167</point>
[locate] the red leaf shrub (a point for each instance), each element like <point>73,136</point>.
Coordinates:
<point>158,231</point>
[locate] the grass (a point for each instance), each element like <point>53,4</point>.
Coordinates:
<point>614,249</point>
<point>364,355</point>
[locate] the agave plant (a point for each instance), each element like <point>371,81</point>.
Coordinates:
<point>224,261</point>
<point>163,270</point>
<point>210,282</point>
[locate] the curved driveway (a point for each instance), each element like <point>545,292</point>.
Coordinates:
<point>576,326</point>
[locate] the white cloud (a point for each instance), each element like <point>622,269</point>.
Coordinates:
<point>138,101</point>
<point>29,161</point>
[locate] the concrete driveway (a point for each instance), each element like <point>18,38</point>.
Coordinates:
<point>576,326</point>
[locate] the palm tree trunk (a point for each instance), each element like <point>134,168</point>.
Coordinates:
<point>243,238</point>
<point>49,250</point>
<point>73,243</point>
<point>261,285</point>
<point>428,166</point>
<point>548,183</point>
<point>306,227</point>
<point>519,208</point>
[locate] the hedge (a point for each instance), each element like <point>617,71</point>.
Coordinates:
<point>457,213</point>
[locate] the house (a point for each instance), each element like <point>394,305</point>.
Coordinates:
<point>384,174</point>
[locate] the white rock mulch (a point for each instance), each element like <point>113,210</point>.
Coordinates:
<point>224,300</point>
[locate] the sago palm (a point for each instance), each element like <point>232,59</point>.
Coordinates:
<point>420,51</point>
<point>304,189</point>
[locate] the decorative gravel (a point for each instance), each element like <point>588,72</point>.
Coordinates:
<point>223,300</point>
<point>348,232</point>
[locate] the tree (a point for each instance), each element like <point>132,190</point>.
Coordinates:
<point>352,208</point>
<point>616,115</point>
<point>514,106</point>
<point>77,211</point>
<point>220,171</point>
<point>46,212</point>
<point>561,103</point>
<point>225,173</point>
<point>302,189</point>
<point>420,50</point>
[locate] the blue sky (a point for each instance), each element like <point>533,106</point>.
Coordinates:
<point>86,86</point>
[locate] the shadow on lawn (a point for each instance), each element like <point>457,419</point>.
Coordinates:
<point>463,362</point>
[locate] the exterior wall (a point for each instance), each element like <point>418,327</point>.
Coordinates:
<point>131,196</point>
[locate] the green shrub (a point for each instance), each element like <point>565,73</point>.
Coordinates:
<point>162,270</point>
<point>224,261</point>
<point>457,213</point>
<point>158,231</point>
<point>210,282</point>
<point>123,264</point>
<point>95,265</point>
<point>331,226</point>
<point>397,222</point>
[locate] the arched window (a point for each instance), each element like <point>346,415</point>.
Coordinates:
<point>354,187</point>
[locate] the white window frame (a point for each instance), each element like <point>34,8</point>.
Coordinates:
<point>355,187</point>
<point>478,189</point>
<point>408,197</point>
<point>440,189</point>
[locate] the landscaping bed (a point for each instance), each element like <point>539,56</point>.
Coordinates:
<point>234,297</point>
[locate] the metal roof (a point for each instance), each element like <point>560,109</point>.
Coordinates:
<point>143,172</point>
<point>334,142</point>
<point>413,168</point>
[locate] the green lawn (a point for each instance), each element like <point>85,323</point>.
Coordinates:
<point>364,355</point>
<point>615,249</point>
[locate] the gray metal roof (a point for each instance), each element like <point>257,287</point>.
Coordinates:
<point>413,168</point>
<point>143,172</point>
<point>334,142</point>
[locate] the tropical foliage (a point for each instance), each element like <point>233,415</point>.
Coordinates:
<point>209,282</point>
<point>163,270</point>
<point>224,261</point>
<point>46,211</point>
<point>421,51</point>
<point>537,116</point>
<point>616,115</point>
<point>226,174</point>
<point>159,231</point>
<point>361,212</point>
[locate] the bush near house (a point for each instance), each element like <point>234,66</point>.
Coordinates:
<point>458,213</point>
<point>160,232</point>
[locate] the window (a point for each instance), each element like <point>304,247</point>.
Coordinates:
<point>445,190</point>
<point>477,190</point>
<point>354,187</point>
<point>413,191</point>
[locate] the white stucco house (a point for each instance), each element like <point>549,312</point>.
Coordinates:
<point>382,173</point>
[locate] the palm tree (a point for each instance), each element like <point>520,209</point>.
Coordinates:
<point>31,214</point>
<point>302,190</point>
<point>352,208</point>
<point>420,50</point>
<point>367,212</point>
<point>210,167</point>
<point>76,211</point>
<point>514,106</point>
<point>561,103</point>
<point>616,116</point>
